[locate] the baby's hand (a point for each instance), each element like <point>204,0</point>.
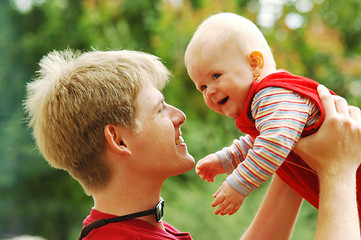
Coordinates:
<point>209,167</point>
<point>228,199</point>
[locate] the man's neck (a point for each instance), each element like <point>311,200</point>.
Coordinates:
<point>122,199</point>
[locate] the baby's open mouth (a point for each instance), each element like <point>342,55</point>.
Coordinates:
<point>223,101</point>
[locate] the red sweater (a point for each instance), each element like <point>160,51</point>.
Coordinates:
<point>294,171</point>
<point>131,229</point>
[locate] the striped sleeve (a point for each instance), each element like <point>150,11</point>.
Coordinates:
<point>232,156</point>
<point>280,117</point>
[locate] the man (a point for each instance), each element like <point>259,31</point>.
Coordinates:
<point>101,117</point>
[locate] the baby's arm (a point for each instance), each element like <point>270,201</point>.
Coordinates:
<point>280,116</point>
<point>236,153</point>
<point>225,160</point>
<point>280,119</point>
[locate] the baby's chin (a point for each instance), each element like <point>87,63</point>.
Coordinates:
<point>231,114</point>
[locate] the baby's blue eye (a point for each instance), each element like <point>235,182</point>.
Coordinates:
<point>216,75</point>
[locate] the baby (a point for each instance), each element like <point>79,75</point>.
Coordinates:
<point>230,62</point>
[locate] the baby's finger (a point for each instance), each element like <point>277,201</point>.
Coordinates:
<point>210,179</point>
<point>217,192</point>
<point>218,200</point>
<point>220,209</point>
<point>232,212</point>
<point>199,171</point>
<point>201,175</point>
<point>228,210</point>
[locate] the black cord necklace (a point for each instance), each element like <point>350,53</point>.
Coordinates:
<point>157,211</point>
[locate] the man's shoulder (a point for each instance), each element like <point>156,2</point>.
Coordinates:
<point>136,229</point>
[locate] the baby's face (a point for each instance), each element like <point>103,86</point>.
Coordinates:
<point>224,76</point>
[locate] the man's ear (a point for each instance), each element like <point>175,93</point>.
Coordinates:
<point>256,60</point>
<point>115,139</point>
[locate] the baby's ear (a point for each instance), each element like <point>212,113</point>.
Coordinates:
<point>256,60</point>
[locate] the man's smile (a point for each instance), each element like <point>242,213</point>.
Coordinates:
<point>179,140</point>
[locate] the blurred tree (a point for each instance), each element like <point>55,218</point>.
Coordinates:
<point>318,39</point>
<point>34,199</point>
<point>119,24</point>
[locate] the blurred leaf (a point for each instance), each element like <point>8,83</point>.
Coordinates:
<point>43,201</point>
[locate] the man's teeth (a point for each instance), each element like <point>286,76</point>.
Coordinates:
<point>179,140</point>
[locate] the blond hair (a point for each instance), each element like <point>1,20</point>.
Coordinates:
<point>229,29</point>
<point>75,95</point>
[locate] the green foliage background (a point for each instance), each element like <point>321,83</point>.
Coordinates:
<point>38,200</point>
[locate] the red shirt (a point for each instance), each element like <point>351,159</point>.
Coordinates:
<point>294,171</point>
<point>131,229</point>
<point>304,86</point>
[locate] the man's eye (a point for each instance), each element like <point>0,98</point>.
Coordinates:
<point>216,75</point>
<point>162,107</point>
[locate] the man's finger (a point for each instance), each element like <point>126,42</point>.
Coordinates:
<point>355,113</point>
<point>327,100</point>
<point>341,106</point>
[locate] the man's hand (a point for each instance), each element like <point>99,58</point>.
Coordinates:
<point>337,144</point>
<point>335,153</point>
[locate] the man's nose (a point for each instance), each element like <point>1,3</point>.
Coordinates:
<point>178,117</point>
